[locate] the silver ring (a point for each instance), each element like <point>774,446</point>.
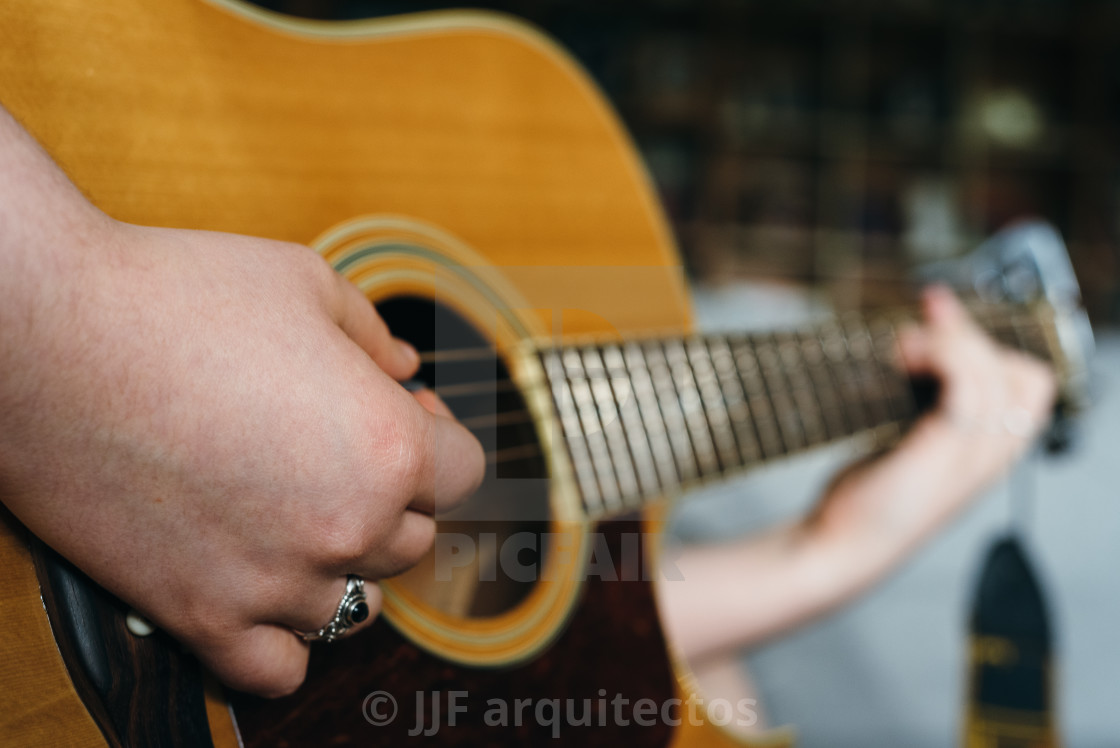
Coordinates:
<point>352,610</point>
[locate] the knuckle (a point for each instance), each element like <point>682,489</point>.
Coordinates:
<point>301,258</point>
<point>261,661</point>
<point>303,275</point>
<point>343,530</point>
<point>344,541</point>
<point>272,680</point>
<point>311,260</point>
<point>425,538</point>
<point>409,547</point>
<point>197,621</point>
<point>286,687</point>
<point>406,440</point>
<point>311,270</point>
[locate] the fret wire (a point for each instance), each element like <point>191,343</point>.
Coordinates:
<point>738,411</point>
<point>1020,337</point>
<point>884,342</point>
<point>840,366</point>
<point>592,428</point>
<point>861,344</point>
<point>985,314</point>
<point>637,436</point>
<point>692,405</point>
<point>573,432</point>
<point>832,410</point>
<point>801,388</point>
<point>758,399</point>
<point>1023,338</point>
<point>786,415</point>
<point>871,385</point>
<point>1040,343</point>
<point>611,422</point>
<point>1047,336</point>
<point>653,418</point>
<point>715,407</point>
<point>1031,342</point>
<point>795,389</point>
<point>1005,335</point>
<point>668,399</point>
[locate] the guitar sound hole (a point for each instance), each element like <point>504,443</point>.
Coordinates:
<point>488,551</point>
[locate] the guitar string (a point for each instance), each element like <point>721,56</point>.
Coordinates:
<point>459,355</point>
<point>1011,319</point>
<point>499,385</point>
<point>1011,322</point>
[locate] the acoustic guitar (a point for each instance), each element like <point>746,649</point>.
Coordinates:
<point>466,174</point>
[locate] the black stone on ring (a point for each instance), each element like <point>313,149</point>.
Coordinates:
<point>352,610</point>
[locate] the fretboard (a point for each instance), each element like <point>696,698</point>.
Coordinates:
<point>652,417</point>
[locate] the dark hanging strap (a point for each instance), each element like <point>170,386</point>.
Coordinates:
<point>1011,667</point>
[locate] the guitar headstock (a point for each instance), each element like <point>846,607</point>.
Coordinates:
<point>1027,264</point>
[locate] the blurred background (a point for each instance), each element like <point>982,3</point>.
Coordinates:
<point>807,153</point>
<point>832,143</point>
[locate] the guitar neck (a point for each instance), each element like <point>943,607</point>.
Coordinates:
<point>651,417</point>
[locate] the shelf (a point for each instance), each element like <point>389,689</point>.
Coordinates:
<point>812,138</point>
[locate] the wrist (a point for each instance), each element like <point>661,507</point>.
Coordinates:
<point>45,277</point>
<point>832,567</point>
<point>877,511</point>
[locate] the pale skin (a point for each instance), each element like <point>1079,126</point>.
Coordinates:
<point>878,511</point>
<point>211,427</point>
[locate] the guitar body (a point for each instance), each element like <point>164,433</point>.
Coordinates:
<point>406,150</point>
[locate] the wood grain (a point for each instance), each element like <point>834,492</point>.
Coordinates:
<point>141,691</point>
<point>611,648</point>
<point>38,703</point>
<point>179,113</point>
<point>194,115</point>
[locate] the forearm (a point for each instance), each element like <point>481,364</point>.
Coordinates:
<point>879,511</point>
<point>46,226</point>
<point>873,516</point>
<point>46,229</point>
<point>39,206</point>
<point>738,594</point>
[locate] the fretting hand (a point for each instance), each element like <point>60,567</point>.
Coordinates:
<point>993,402</point>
